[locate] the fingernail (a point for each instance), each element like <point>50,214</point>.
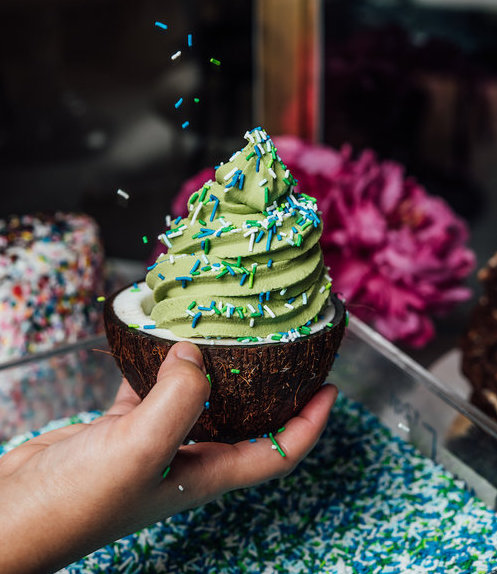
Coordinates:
<point>190,352</point>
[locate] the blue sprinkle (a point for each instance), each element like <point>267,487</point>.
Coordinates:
<point>244,277</point>
<point>184,279</point>
<point>258,163</point>
<point>177,220</point>
<point>160,276</point>
<point>190,40</point>
<point>230,270</point>
<point>196,265</point>
<point>260,235</point>
<point>161,25</point>
<point>268,294</point>
<point>269,237</point>
<point>152,266</point>
<point>185,124</point>
<point>178,103</point>
<point>204,308</point>
<point>241,181</point>
<point>253,440</point>
<point>291,300</point>
<point>270,263</point>
<point>195,319</point>
<point>261,310</point>
<point>149,326</point>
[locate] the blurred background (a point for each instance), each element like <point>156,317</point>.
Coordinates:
<point>88,92</point>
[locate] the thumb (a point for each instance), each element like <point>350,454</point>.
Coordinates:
<point>167,414</point>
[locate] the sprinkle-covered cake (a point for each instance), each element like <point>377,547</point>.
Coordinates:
<point>479,344</point>
<point>243,277</point>
<point>50,275</point>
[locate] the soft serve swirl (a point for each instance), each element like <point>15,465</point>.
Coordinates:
<point>246,262</point>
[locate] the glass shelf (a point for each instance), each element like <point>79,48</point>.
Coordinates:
<point>406,398</point>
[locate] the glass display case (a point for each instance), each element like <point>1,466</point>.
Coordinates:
<point>412,403</point>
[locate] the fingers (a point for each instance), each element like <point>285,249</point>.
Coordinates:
<point>164,418</point>
<point>209,469</point>
<point>126,400</point>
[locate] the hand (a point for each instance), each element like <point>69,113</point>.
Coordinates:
<point>70,491</point>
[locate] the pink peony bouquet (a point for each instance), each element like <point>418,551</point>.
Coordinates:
<point>397,254</point>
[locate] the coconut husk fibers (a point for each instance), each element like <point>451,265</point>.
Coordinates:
<point>275,381</point>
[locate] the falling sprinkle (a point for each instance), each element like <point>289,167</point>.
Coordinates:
<point>176,55</point>
<point>166,472</point>
<point>185,124</point>
<point>180,488</point>
<point>178,103</point>
<point>161,25</point>
<point>215,62</point>
<point>123,194</point>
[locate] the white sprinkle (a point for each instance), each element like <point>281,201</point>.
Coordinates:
<point>321,290</point>
<point>190,312</point>
<point>123,194</point>
<point>228,175</point>
<point>271,171</point>
<point>403,427</point>
<point>261,149</point>
<point>258,135</point>
<point>176,55</point>
<point>197,211</point>
<point>269,311</point>
<point>251,231</point>
<point>287,173</point>
<point>268,145</point>
<point>273,446</point>
<point>191,207</point>
<point>283,291</point>
<point>175,234</point>
<point>251,242</point>
<point>251,308</point>
<point>248,136</point>
<point>204,258</point>
<point>180,487</point>
<point>168,220</point>
<point>262,182</point>
<point>163,238</point>
<point>328,278</point>
<point>171,259</point>
<point>289,306</point>
<point>252,322</point>
<point>304,298</point>
<point>236,154</point>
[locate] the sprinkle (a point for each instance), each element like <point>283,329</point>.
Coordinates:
<point>283,291</point>
<point>101,299</point>
<point>269,311</point>
<point>281,429</point>
<point>196,265</point>
<point>183,278</point>
<point>260,235</point>
<point>178,103</point>
<point>252,321</point>
<point>190,40</point>
<point>262,182</point>
<point>330,325</point>
<point>192,305</point>
<point>145,239</point>
<point>304,298</point>
<point>278,448</point>
<point>208,377</point>
<point>207,405</point>
<point>160,276</point>
<point>195,214</point>
<point>149,326</point>
<point>235,371</point>
<point>185,124</point>
<point>196,100</point>
<point>253,440</point>
<point>161,25</point>
<point>133,326</point>
<point>251,279</point>
<point>176,55</point>
<point>152,266</point>
<point>270,263</point>
<point>180,488</point>
<point>215,62</point>
<point>272,173</point>
<point>166,472</point>
<point>123,194</point>
<point>196,319</point>
<point>347,318</point>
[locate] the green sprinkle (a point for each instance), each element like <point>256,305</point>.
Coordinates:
<point>275,337</point>
<point>192,305</point>
<point>240,313</point>
<point>222,274</point>
<point>251,154</point>
<point>328,286</point>
<point>215,62</point>
<point>251,280</point>
<point>239,261</point>
<point>235,371</point>
<point>346,318</point>
<point>195,273</point>
<point>281,429</point>
<point>101,299</point>
<point>133,326</point>
<point>202,195</point>
<point>194,197</point>
<point>145,239</point>
<point>202,222</point>
<point>266,195</point>
<point>278,447</point>
<point>207,246</point>
<point>166,472</point>
<point>196,100</point>
<point>306,225</point>
<point>298,242</point>
<point>209,379</point>
<point>287,181</point>
<point>216,310</point>
<point>330,325</point>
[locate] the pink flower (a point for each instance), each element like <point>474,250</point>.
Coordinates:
<point>397,254</point>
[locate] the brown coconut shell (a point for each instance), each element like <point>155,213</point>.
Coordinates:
<point>275,381</point>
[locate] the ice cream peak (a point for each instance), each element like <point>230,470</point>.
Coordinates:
<point>246,262</point>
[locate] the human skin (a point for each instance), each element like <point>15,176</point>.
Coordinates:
<point>72,490</point>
